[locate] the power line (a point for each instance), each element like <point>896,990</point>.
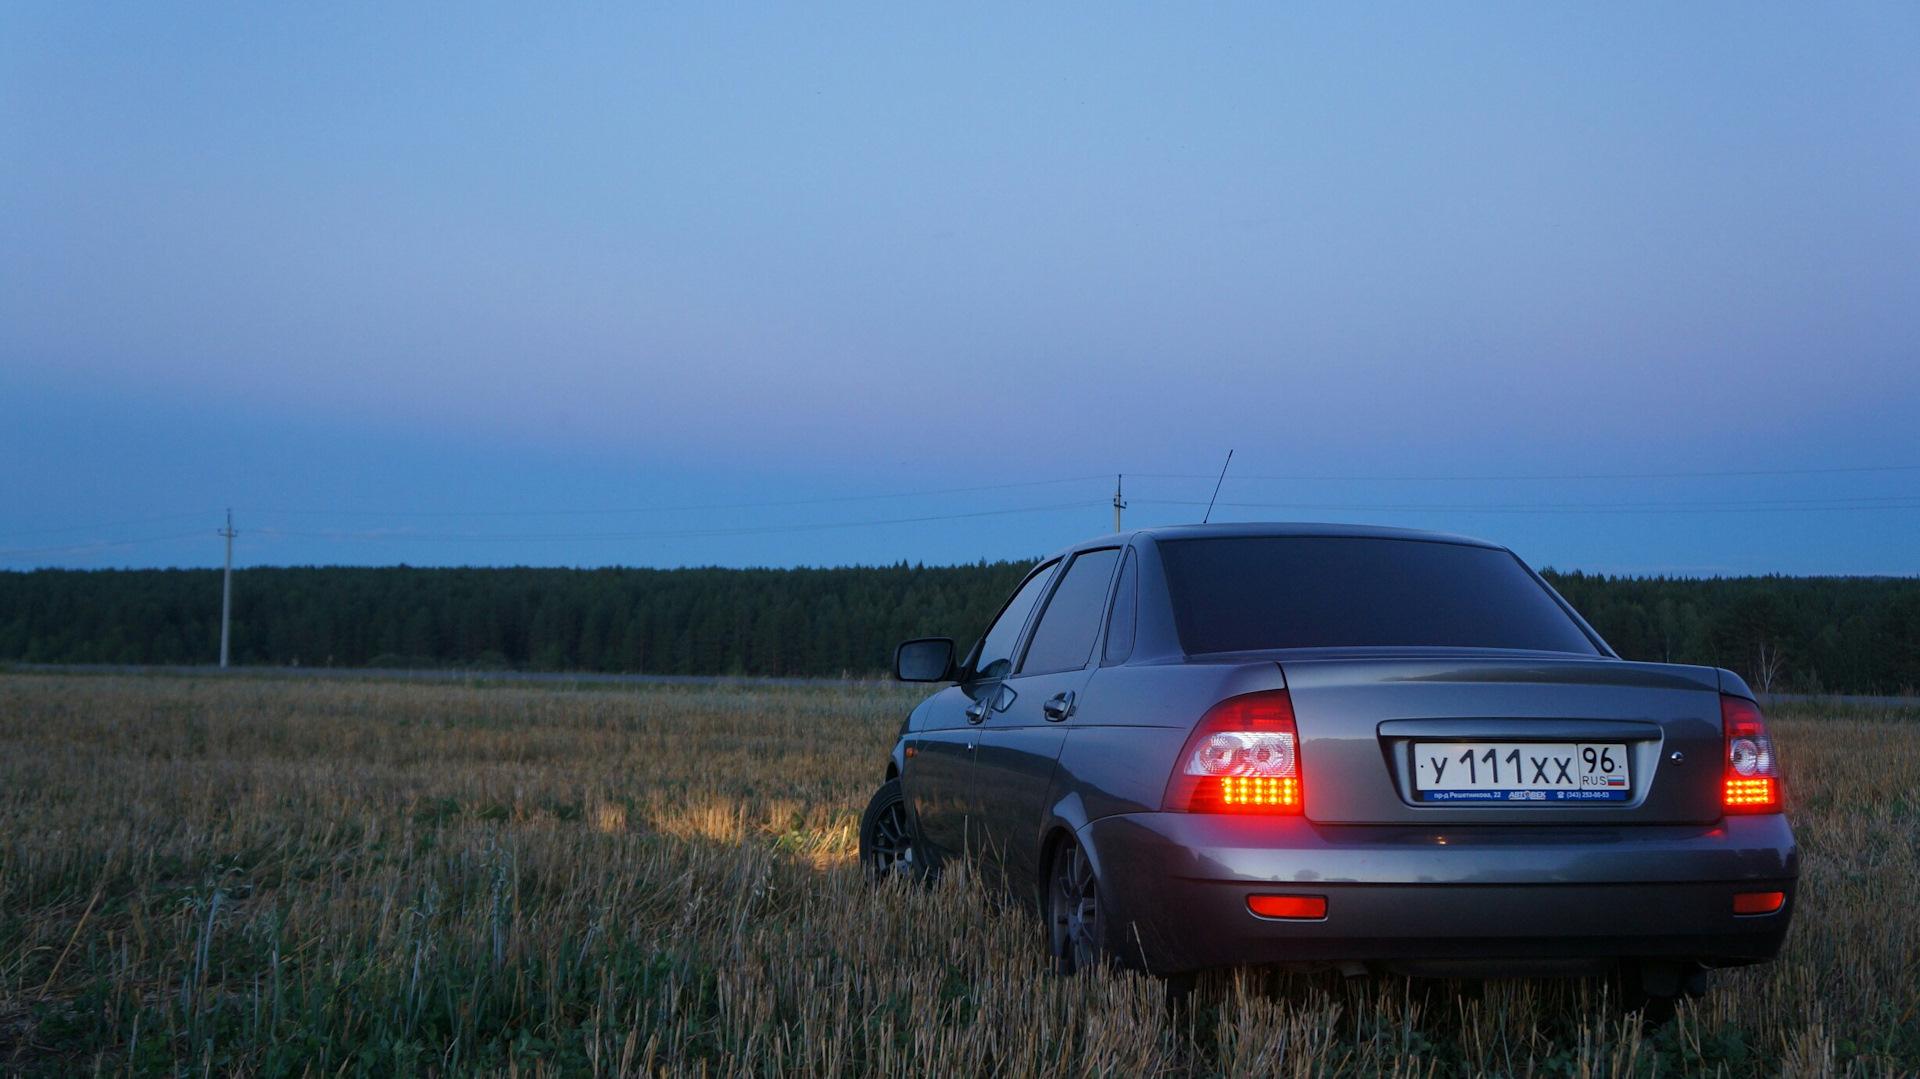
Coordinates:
<point>105,527</point>
<point>562,536</point>
<point>99,544</point>
<point>1887,502</point>
<point>1586,476</point>
<point>675,509</point>
<point>73,548</point>
<point>665,534</point>
<point>1895,502</point>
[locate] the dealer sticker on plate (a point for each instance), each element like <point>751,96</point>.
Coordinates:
<point>1521,772</point>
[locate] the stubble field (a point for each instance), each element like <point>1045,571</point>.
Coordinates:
<point>239,876</point>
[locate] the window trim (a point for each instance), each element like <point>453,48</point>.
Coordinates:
<point>1107,658</point>
<point>1020,637</point>
<point>1040,612</point>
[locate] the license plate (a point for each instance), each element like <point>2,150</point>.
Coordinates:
<point>1521,772</point>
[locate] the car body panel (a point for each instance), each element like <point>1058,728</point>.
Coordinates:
<point>1358,766</point>
<point>1014,769</point>
<point>1229,847</point>
<point>941,744</point>
<point>1432,930</point>
<point>937,771</point>
<point>1176,885</point>
<point>1131,721</point>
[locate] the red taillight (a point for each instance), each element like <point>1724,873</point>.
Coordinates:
<point>1243,757</point>
<point>1288,906</point>
<point>1752,783</point>
<point>1758,902</point>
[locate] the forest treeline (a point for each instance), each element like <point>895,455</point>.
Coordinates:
<point>1820,634</point>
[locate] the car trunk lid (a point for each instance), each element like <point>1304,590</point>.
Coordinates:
<point>1370,724</point>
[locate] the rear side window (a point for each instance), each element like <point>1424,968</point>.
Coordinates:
<point>1238,594</point>
<point>1063,641</point>
<point>996,649</point>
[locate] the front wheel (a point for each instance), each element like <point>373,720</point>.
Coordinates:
<point>888,843</point>
<point>1076,928</point>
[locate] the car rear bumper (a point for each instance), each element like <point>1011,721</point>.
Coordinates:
<point>1481,900</point>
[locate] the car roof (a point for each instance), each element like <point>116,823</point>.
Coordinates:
<point>1239,529</point>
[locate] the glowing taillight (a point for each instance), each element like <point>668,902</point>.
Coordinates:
<point>1751,792</point>
<point>1243,757</point>
<point>1305,907</point>
<point>1752,783</point>
<point>1260,791</point>
<point>1758,902</point>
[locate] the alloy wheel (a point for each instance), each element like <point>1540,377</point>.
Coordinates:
<point>1075,930</point>
<point>887,843</point>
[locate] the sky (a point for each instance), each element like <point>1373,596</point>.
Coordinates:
<point>1628,288</point>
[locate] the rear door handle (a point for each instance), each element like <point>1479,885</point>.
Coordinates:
<point>1058,707</point>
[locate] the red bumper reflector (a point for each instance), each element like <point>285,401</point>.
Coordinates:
<point>1288,906</point>
<point>1758,902</point>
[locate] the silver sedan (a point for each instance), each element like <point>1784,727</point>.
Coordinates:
<point>1364,749</point>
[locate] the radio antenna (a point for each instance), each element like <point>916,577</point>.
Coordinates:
<point>1216,488</point>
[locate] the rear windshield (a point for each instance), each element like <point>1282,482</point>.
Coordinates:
<point>1245,593</point>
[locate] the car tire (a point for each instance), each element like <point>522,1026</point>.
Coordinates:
<point>1076,925</point>
<point>889,844</point>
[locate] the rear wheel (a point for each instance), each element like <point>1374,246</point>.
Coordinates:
<point>888,842</point>
<point>1076,930</point>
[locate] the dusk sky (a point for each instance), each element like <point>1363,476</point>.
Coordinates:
<point>1631,289</point>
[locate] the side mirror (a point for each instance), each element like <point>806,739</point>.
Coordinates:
<point>928,659</point>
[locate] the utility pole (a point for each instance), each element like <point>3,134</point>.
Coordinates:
<point>1117,504</point>
<point>226,591</point>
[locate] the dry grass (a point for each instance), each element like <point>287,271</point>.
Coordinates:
<point>238,876</point>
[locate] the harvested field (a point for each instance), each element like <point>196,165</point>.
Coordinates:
<point>293,877</point>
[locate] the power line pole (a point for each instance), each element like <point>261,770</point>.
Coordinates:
<point>1118,505</point>
<point>226,591</point>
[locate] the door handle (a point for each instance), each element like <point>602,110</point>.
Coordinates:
<point>1058,707</point>
<point>976,712</point>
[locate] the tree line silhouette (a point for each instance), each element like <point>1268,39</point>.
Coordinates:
<point>1818,634</point>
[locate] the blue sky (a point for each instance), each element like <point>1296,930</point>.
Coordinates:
<point>774,285</point>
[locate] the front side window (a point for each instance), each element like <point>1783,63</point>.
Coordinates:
<point>996,649</point>
<point>1063,640</point>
